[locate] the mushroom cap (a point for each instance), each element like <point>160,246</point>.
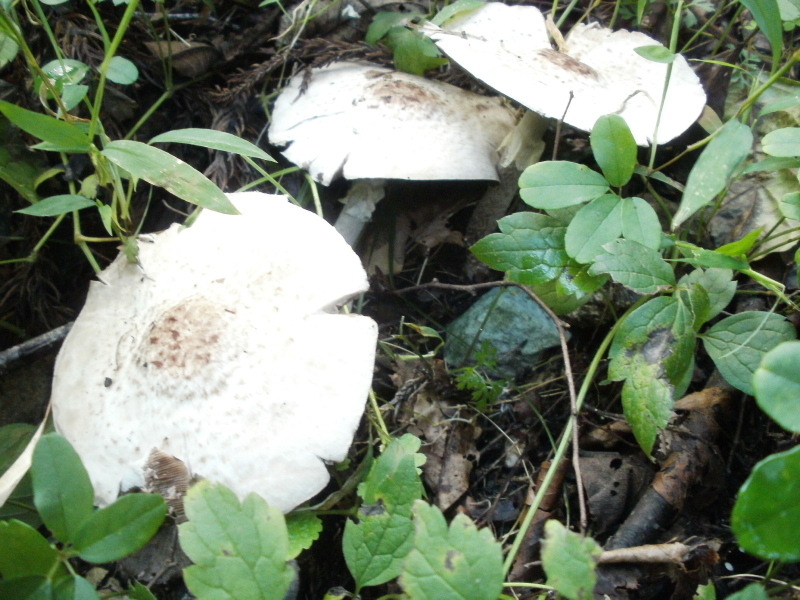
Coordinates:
<point>361,121</point>
<point>507,47</point>
<point>224,348</point>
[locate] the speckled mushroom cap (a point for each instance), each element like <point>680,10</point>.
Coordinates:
<point>224,348</point>
<point>507,47</point>
<point>362,121</point>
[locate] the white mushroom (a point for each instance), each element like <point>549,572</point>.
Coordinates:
<point>224,348</point>
<point>598,73</point>
<point>360,121</point>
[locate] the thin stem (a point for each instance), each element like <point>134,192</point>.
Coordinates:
<point>748,104</point>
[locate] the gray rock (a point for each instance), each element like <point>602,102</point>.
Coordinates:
<point>507,320</point>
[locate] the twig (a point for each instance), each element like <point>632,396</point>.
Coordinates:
<point>46,340</point>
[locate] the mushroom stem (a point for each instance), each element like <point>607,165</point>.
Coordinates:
<point>359,204</point>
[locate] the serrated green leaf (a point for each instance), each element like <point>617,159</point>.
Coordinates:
<point>63,493</point>
<point>558,184</point>
<point>738,343</point>
<point>32,587</point>
<point>754,591</point>
<point>25,552</point>
<point>122,71</point>
<point>303,529</point>
<point>656,53</point>
<point>640,223</point>
<point>455,563</point>
<point>162,169</point>
<point>569,559</point>
<point>652,351</point>
<point>240,551</point>
<point>768,18</point>
<point>635,266</point>
<point>614,149</point>
<point>57,205</point>
<point>776,383</point>
<point>215,140</point>
<point>120,528</point>
<point>374,548</point>
<point>530,248</point>
<point>714,168</point>
<point>44,127</point>
<point>457,7</point>
<point>596,224</point>
<point>782,143</point>
<point>719,286</point>
<point>74,588</point>
<point>570,290</point>
<point>767,509</point>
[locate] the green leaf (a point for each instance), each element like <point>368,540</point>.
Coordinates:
<point>530,248</point>
<point>719,286</point>
<point>738,343</point>
<point>457,7</point>
<point>57,205</point>
<point>772,164</point>
<point>60,133</point>
<point>74,588</point>
<point>706,592</point>
<point>709,259</point>
<point>32,587</point>
<point>64,72</point>
<point>754,591</point>
<point>572,288</point>
<point>635,266</point>
<point>25,552</point>
<point>790,205</point>
<point>240,551</point>
<point>303,530</point>
<point>776,383</point>
<point>640,223</point>
<point>713,170</point>
<point>120,528</point>
<point>652,351</point>
<point>8,49</point>
<point>740,247</point>
<point>215,140</point>
<point>162,169</point>
<point>455,563</point>
<point>767,510</point>
<point>558,184</point>
<point>596,224</point>
<point>63,493</point>
<point>19,170</point>
<point>696,300</point>
<point>139,592</point>
<point>122,71</point>
<point>374,548</point>
<point>413,52</point>
<point>768,18</point>
<point>656,53</point>
<point>614,149</point>
<point>569,559</point>
<point>782,143</point>
<point>382,23</point>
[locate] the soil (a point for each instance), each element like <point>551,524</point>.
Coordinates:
<point>485,460</point>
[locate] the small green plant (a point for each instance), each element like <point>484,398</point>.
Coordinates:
<point>485,391</point>
<point>61,86</point>
<point>35,566</point>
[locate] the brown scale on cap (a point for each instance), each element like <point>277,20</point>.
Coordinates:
<point>565,61</point>
<point>169,477</point>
